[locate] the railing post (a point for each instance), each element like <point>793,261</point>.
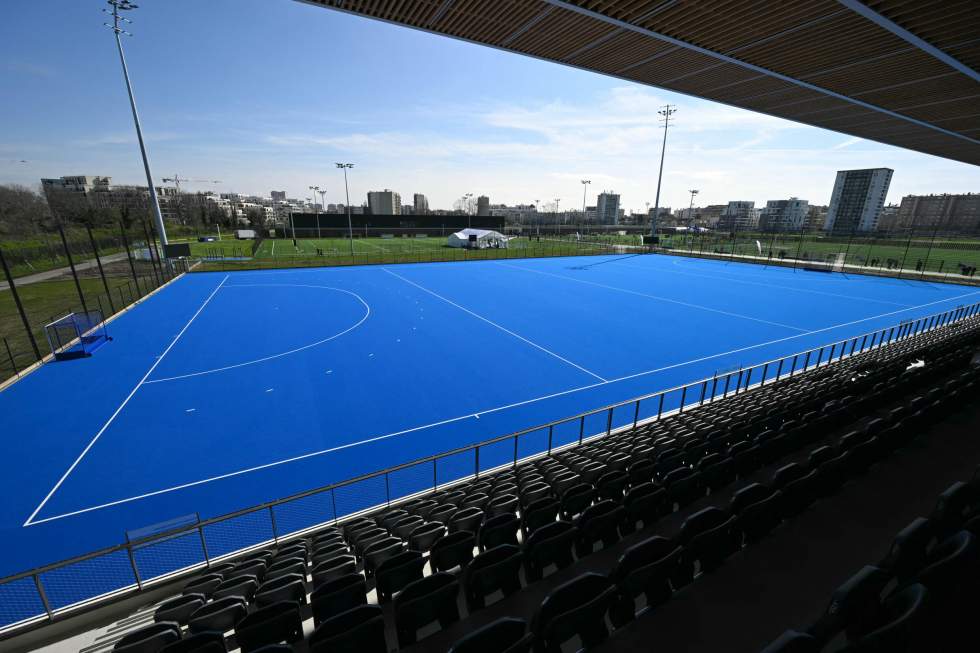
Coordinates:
<point>581,428</point>
<point>830,358</point>
<point>765,371</point>
<point>779,369</point>
<point>792,370</point>
<point>333,504</point>
<point>806,363</point>
<point>515,451</point>
<point>819,358</point>
<point>476,459</point>
<point>636,413</point>
<point>728,380</point>
<point>660,408</point>
<point>204,546</point>
<point>43,595</point>
<point>748,378</point>
<point>551,430</point>
<point>387,491</point>
<point>683,397</point>
<point>136,572</point>
<point>609,422</point>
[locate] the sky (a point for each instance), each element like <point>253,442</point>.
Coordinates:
<point>269,94</point>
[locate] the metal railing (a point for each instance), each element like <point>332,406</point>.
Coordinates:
<point>55,590</point>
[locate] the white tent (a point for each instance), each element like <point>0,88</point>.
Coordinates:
<point>477,239</point>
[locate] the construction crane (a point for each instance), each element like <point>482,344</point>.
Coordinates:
<point>176,180</point>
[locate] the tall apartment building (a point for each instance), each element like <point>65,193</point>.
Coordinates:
<point>385,202</point>
<point>421,204</point>
<point>739,215</point>
<point>949,214</point>
<point>278,195</point>
<point>607,208</point>
<point>857,200</point>
<point>784,215</point>
<point>483,205</point>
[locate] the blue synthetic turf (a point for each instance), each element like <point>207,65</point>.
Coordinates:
<point>557,337</point>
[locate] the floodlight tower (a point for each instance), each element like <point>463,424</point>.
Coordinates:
<point>126,5</point>
<point>585,188</point>
<point>666,112</point>
<point>558,215</point>
<point>690,209</point>
<point>316,211</point>
<point>350,228</point>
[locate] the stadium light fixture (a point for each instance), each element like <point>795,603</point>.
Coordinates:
<point>690,209</point>
<point>350,228</point>
<point>666,112</point>
<point>117,20</point>
<point>316,211</point>
<point>585,188</point>
<point>557,215</point>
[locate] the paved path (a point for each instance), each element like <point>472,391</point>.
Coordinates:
<point>57,272</point>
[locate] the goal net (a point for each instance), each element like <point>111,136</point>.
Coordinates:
<point>76,335</point>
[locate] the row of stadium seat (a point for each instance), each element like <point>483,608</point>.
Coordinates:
<point>918,598</point>
<point>482,536</point>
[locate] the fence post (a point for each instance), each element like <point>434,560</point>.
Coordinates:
<point>13,365</point>
<point>748,378</point>
<point>20,307</point>
<point>204,546</point>
<point>806,363</point>
<point>129,255</point>
<point>333,502</point>
<point>581,428</point>
<point>714,386</point>
<point>476,459</point>
<point>683,397</point>
<point>792,369</point>
<point>515,450</point>
<point>609,422</point>
<point>153,260</point>
<point>71,265</point>
<point>551,428</point>
<point>43,595</point>
<point>660,408</point>
<point>98,261</point>
<point>728,380</point>
<point>765,371</point>
<point>136,572</point>
<point>779,369</point>
<point>636,412</point>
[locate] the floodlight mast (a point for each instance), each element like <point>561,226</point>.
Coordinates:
<point>126,5</point>
<point>666,112</point>
<point>350,228</point>
<point>585,188</point>
<point>316,210</point>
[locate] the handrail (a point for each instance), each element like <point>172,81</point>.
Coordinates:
<point>879,338</point>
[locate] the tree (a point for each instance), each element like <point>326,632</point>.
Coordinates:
<point>256,219</point>
<point>22,211</point>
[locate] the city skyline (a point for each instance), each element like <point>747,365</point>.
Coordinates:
<point>533,131</point>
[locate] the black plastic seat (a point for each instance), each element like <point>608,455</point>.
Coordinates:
<point>150,639</point>
<point>243,586</point>
<point>952,508</point>
<point>467,519</point>
<point>283,588</point>
<point>641,471</point>
<point>599,524</point>
<point>454,550</point>
<point>800,493</point>
<point>645,503</point>
<point>295,566</point>
<point>717,472</point>
<point>331,551</point>
<point>708,537</point>
<point>853,605</point>
<point>432,598</point>
<point>793,641</point>
<point>204,585</point>
<point>179,608</point>
<point>279,622</point>
<point>333,569</point>
<point>498,530</point>
<point>507,635</point>
<point>577,607</point>
<point>683,487</point>
<point>396,572</point>
<point>576,499</point>
<point>380,551</point>
<point>404,526</point>
<point>612,485</point>
<point>338,595</point>
<point>389,518</point>
<point>443,513</point>
<point>358,630</point>
<point>900,625</point>
<point>908,551</point>
<point>478,500</point>
<point>756,520</point>
<point>220,615</point>
<point>549,545</point>
<point>653,568</point>
<point>424,536</point>
<point>537,514</point>
<point>208,641</point>
<point>497,569</point>
<point>533,492</point>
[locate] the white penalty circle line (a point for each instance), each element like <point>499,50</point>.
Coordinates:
<point>367,314</point>
<point>321,452</point>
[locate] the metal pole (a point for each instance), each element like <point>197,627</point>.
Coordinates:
<point>71,264</point>
<point>10,355</point>
<point>20,307</point>
<point>157,215</point>
<point>350,228</point>
<point>666,112</point>
<point>157,276</point>
<point>136,572</point>
<point>105,284</point>
<point>43,595</point>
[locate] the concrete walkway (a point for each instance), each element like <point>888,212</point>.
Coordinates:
<point>47,275</point>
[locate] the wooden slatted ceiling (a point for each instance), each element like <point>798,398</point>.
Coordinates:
<point>818,42</point>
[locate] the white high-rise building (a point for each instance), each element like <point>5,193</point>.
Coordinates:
<point>607,208</point>
<point>738,216</point>
<point>385,202</point>
<point>784,215</point>
<point>421,204</point>
<point>857,200</point>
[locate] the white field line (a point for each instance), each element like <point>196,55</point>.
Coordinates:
<point>123,404</point>
<point>655,297</point>
<point>321,452</point>
<point>492,323</point>
<point>367,313</point>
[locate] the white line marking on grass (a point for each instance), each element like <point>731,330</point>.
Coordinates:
<point>477,414</point>
<point>367,314</point>
<point>765,285</point>
<point>655,297</point>
<point>490,322</point>
<point>123,404</point>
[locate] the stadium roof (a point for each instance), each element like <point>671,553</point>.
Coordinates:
<point>902,72</point>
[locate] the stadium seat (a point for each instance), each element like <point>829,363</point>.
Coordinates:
<point>333,569</point>
<point>612,485</point>
<point>576,499</point>
<point>908,551</point>
<point>792,641</point>
<point>652,568</point>
<point>853,606</point>
<point>645,503</point>
<point>455,550</point>
<point>900,626</point>
<point>952,508</point>
<point>467,519</point>
<point>549,545</point>
<point>507,635</point>
<point>273,624</point>
<point>501,504</point>
<point>338,595</point>
<point>398,571</point>
<point>243,586</point>
<point>404,526</point>
<point>358,630</point>
<point>221,615</point>
<point>537,514</point>
<point>577,607</point>
<point>497,569</point>
<point>205,642</point>
<point>149,639</point>
<point>290,566</point>
<point>179,608</point>
<point>498,530</point>
<point>708,537</point>
<point>204,585</point>
<point>432,598</point>
<point>424,536</point>
<point>599,523</point>
<point>291,587</point>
